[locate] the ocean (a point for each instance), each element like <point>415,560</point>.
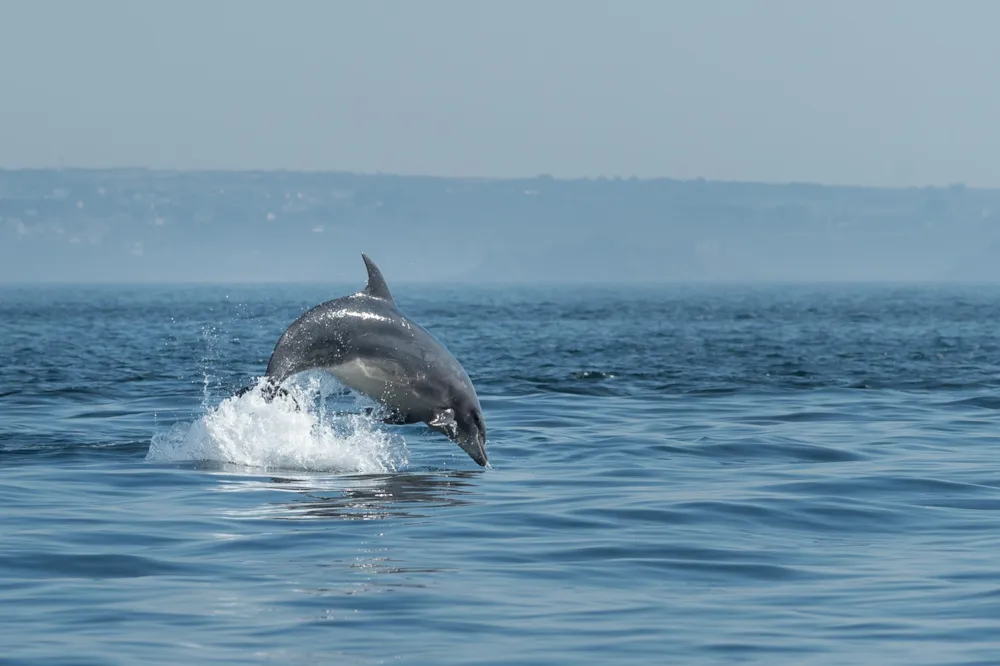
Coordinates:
<point>799,474</point>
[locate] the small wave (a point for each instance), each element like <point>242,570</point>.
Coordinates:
<point>592,375</point>
<point>249,432</point>
<point>984,402</point>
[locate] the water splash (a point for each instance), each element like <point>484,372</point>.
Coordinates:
<point>210,335</point>
<point>249,432</point>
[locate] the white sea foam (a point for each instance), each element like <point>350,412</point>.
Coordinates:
<point>249,432</point>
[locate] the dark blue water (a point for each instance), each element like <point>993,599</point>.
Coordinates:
<point>697,475</point>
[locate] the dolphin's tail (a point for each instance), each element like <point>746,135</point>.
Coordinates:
<point>269,392</point>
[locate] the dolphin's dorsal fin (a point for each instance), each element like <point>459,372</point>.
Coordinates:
<point>376,283</point>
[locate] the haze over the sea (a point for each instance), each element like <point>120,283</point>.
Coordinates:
<point>747,96</point>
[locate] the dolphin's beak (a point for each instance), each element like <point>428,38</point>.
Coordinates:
<point>475,446</point>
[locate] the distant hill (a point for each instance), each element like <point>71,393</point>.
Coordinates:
<point>131,225</point>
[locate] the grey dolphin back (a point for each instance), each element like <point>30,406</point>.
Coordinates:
<point>314,340</point>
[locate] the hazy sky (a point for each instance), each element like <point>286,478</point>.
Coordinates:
<point>868,92</point>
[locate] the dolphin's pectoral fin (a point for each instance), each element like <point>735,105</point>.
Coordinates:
<point>401,419</point>
<point>444,420</point>
<point>392,417</point>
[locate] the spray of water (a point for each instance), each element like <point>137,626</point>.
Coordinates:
<point>249,432</point>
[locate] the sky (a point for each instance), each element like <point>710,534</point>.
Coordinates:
<point>861,92</point>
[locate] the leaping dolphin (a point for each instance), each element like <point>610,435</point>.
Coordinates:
<point>366,342</point>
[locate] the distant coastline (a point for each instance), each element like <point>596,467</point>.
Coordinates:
<point>149,225</point>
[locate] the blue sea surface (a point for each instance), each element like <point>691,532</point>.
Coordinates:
<point>681,474</point>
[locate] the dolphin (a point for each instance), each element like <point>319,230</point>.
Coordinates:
<point>366,342</point>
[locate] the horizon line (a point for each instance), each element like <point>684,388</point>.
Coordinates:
<point>509,283</point>
<point>497,179</point>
